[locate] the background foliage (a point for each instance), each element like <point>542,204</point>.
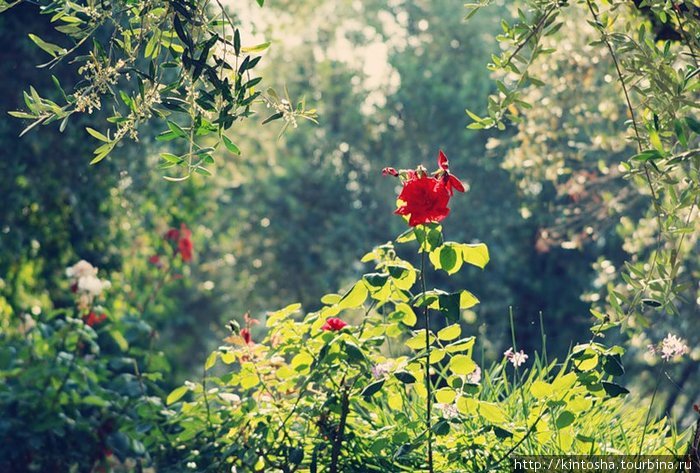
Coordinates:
<point>561,195</point>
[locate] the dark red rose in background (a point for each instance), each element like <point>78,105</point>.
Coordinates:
<point>245,333</point>
<point>333,324</point>
<point>155,259</point>
<point>172,234</point>
<point>424,199</point>
<point>184,243</point>
<point>93,319</point>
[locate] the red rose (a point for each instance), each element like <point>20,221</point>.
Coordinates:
<point>172,234</point>
<point>333,324</point>
<point>184,243</point>
<point>93,319</point>
<point>424,199</point>
<point>245,333</point>
<point>155,259</point>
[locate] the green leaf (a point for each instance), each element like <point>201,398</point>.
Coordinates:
<point>409,317</point>
<point>211,360</point>
<point>449,305</point>
<point>372,388</point>
<point>230,145</point>
<point>492,412</point>
<point>176,395</point>
<point>257,48</point>
<point>462,364</point>
<point>355,297</point>
<point>97,134</point>
<point>693,124</point>
<point>612,364</point>
<point>541,390</point>
<point>449,333</point>
<point>417,341</point>
<point>477,255</point>
<point>50,48</point>
<point>445,395</point>
<point>274,317</point>
<point>405,377</point>
<point>467,300</point>
<point>565,419</point>
<point>614,390</point>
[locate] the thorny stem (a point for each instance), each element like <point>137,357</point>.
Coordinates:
<point>427,366</point>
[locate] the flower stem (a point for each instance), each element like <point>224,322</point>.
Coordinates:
<point>429,395</point>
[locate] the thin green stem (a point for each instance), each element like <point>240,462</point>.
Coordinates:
<point>651,404</point>
<point>429,394</point>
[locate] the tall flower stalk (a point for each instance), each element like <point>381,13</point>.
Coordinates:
<point>423,201</point>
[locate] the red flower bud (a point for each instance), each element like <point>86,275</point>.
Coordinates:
<point>245,333</point>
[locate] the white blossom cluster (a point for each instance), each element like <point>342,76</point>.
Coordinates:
<point>670,347</point>
<point>85,283</point>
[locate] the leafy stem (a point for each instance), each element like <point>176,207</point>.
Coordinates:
<point>426,314</point>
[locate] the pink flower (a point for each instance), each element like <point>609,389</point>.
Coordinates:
<point>333,324</point>
<point>516,358</point>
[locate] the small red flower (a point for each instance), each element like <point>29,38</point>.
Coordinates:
<point>424,199</point>
<point>450,181</point>
<point>155,259</point>
<point>93,319</point>
<point>245,333</point>
<point>333,324</point>
<point>184,243</point>
<point>697,408</point>
<point>172,234</point>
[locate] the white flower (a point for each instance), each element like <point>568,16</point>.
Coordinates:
<point>448,411</point>
<point>191,465</point>
<point>81,269</point>
<point>475,376</point>
<point>92,285</point>
<point>230,397</point>
<point>381,369</point>
<point>516,358</point>
<point>672,347</point>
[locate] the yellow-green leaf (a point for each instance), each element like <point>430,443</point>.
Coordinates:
<point>462,364</point>
<point>450,333</point>
<point>478,254</point>
<point>355,297</point>
<point>541,390</point>
<point>492,412</point>
<point>445,395</point>
<point>176,395</point>
<point>467,300</point>
<point>211,360</point>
